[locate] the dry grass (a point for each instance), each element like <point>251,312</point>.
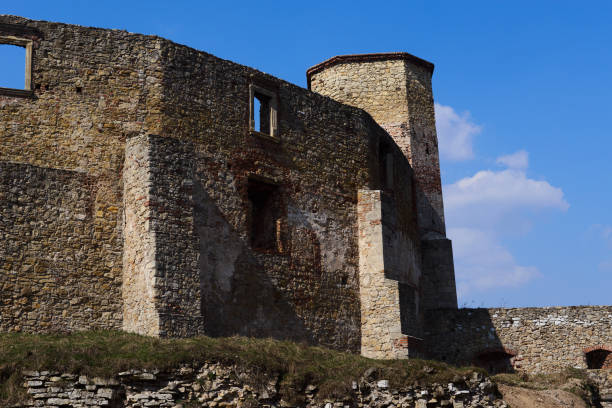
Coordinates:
<point>106,353</point>
<point>571,379</point>
<point>541,381</point>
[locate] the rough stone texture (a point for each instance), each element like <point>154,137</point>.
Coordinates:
<point>395,89</point>
<point>53,226</point>
<point>61,154</point>
<point>140,314</point>
<point>216,385</point>
<point>159,133</point>
<point>389,294</point>
<point>177,282</point>
<point>132,190</point>
<point>603,380</point>
<point>536,339</point>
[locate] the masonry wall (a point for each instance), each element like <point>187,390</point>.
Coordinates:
<point>61,159</point>
<point>171,205</point>
<point>395,88</point>
<point>139,289</point>
<point>538,339</point>
<point>308,288</point>
<point>52,235</point>
<point>160,132</point>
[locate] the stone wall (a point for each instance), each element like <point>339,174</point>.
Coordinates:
<point>140,314</point>
<point>307,287</point>
<point>175,214</point>
<point>380,306</point>
<point>395,88</point>
<point>218,385</point>
<point>59,264</point>
<point>172,215</point>
<point>61,158</point>
<point>603,381</point>
<point>534,340</point>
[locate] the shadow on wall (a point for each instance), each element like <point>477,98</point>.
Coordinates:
<point>238,297</point>
<point>468,337</point>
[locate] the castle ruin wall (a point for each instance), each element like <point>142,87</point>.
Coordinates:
<point>395,88</point>
<point>53,233</point>
<point>61,159</point>
<point>155,140</point>
<point>535,340</point>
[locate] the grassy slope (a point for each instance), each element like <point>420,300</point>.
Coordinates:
<point>104,354</point>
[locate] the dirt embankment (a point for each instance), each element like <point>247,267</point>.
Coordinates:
<point>518,397</point>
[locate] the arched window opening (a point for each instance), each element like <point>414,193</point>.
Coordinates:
<point>599,358</point>
<point>495,361</point>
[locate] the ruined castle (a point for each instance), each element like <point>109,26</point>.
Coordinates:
<point>154,188</point>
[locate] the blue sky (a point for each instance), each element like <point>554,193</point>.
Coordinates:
<point>523,109</point>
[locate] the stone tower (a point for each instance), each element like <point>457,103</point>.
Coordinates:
<point>395,89</point>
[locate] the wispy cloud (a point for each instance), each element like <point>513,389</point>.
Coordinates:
<point>518,160</point>
<point>455,133</point>
<point>482,262</point>
<point>483,209</point>
<point>488,197</point>
<point>604,232</point>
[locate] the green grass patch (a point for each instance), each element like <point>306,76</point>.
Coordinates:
<point>106,353</point>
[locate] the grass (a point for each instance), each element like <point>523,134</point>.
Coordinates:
<point>541,381</point>
<point>105,353</point>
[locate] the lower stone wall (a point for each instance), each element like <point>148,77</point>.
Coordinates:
<point>216,385</point>
<point>60,250</point>
<point>534,340</point>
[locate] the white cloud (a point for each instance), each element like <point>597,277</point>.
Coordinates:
<point>455,133</point>
<point>482,210</point>
<point>489,195</point>
<point>483,263</point>
<point>518,160</point>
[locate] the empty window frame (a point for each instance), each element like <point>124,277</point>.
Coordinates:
<point>264,216</point>
<point>16,65</point>
<point>263,111</point>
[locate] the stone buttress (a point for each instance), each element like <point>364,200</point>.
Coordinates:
<point>161,284</point>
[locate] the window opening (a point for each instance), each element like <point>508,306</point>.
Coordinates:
<point>257,114</point>
<point>264,111</point>
<point>13,66</point>
<point>598,359</point>
<point>265,216</point>
<point>261,113</point>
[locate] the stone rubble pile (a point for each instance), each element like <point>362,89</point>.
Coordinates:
<point>216,385</point>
